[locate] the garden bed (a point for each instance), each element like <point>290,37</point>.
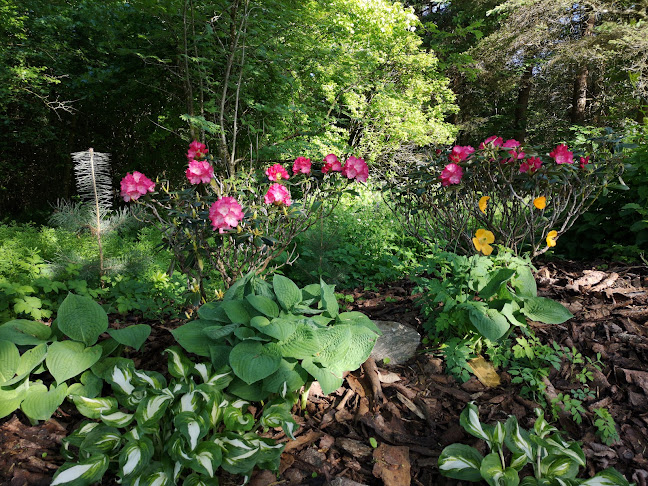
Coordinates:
<point>356,435</point>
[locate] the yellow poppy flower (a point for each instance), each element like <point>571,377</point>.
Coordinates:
<point>482,241</point>
<point>551,238</point>
<point>483,202</point>
<point>540,202</point>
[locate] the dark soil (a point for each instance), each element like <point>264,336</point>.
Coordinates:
<point>418,413</point>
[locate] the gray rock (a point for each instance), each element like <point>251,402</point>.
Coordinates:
<point>344,482</point>
<point>398,342</point>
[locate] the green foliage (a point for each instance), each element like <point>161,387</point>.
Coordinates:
<point>553,459</point>
<point>181,431</point>
<point>278,337</point>
<point>29,348</point>
<point>605,426</point>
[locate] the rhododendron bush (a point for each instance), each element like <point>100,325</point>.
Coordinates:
<point>242,224</point>
<point>520,197</point>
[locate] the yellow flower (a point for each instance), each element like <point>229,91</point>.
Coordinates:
<point>482,241</point>
<point>219,294</point>
<point>483,202</point>
<point>551,238</point>
<point>540,202</point>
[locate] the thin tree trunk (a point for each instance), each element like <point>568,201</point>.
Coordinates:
<point>522,105</point>
<point>579,100</point>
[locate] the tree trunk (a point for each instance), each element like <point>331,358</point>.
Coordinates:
<point>522,105</point>
<point>579,100</point>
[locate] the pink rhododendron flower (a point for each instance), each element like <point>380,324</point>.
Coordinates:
<point>278,194</point>
<point>494,140</point>
<point>515,155</point>
<point>460,153</point>
<point>356,168</point>
<point>277,172</point>
<point>302,165</point>
<point>531,165</point>
<point>331,162</point>
<point>451,174</point>
<point>199,171</point>
<point>225,214</point>
<point>197,150</point>
<point>562,155</point>
<point>511,144</point>
<point>135,185</point>
<point>584,161</point>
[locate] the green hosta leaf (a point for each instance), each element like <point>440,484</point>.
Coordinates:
<point>117,419</point>
<point>90,386</point>
<point>213,311</point>
<point>253,392</point>
<point>237,311</point>
<point>345,347</point>
<point>329,302</point>
<point>219,355</point>
<point>508,312</point>
<point>178,364</point>
<point>9,359</point>
<point>328,379</point>
<point>191,426</point>
<point>258,322</point>
<point>491,470</point>
<point>244,332</point>
<point>518,461</point>
<point>608,477</point>
<point>459,461</point>
<point>269,455</point>
<point>524,282</point>
<point>469,420</point>
<point>108,346</point>
<point>236,419</point>
<point>253,361</point>
<point>517,439</point>
<point>264,305</point>
<point>102,440</point>
<point>492,287</point>
<point>218,332</point>
<point>192,338</point>
<point>67,359</point>
<point>280,329</point>
<point>29,360</point>
<point>133,336</point>
<point>358,319</point>
<point>151,409</point>
<point>303,343</point>
<point>23,332</point>
<point>207,458</point>
<point>157,478</point>
<point>82,319</point>
<point>151,379</point>
<point>490,323</point>
<point>40,404</point>
<point>10,400</point>
<point>278,415</point>
<point>83,473</point>
<point>198,480</point>
<point>239,455</point>
<point>288,294</point>
<point>94,407</point>
<point>135,456</point>
<point>545,310</point>
<point>290,376</point>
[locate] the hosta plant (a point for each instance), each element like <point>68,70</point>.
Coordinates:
<point>154,432</point>
<point>277,337</point>
<point>31,349</point>
<point>553,460</point>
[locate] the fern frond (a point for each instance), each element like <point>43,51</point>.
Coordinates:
<point>92,170</point>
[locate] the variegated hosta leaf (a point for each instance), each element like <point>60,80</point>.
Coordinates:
<point>94,407</point>
<point>239,455</point>
<point>221,378</point>
<point>558,466</point>
<point>517,439</point>
<point>178,449</point>
<point>541,426</point>
<point>495,475</point>
<point>608,477</point>
<point>159,478</point>
<point>179,366</point>
<point>203,370</point>
<point>192,426</point>
<point>469,420</point>
<point>197,480</point>
<point>460,461</point>
<point>235,419</point>
<point>135,456</point>
<point>519,460</point>
<point>150,411</point>
<point>497,436</point>
<point>207,458</point>
<point>133,400</point>
<point>149,379</point>
<point>102,440</point>
<point>82,473</point>
<point>269,452</point>
<point>121,378</point>
<point>215,408</point>
<point>190,402</point>
<point>279,416</point>
<point>117,419</point>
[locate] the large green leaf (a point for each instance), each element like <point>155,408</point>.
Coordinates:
<point>82,319</point>
<point>329,302</point>
<point>288,294</point>
<point>460,461</point>
<point>218,332</point>
<point>279,328</point>
<point>9,359</point>
<point>266,306</point>
<point>303,343</point>
<point>133,336</point>
<point>192,338</point>
<point>40,403</point>
<point>524,282</point>
<point>289,377</point>
<point>545,310</point>
<point>252,361</point>
<point>237,311</point>
<point>25,333</point>
<point>490,323</point>
<point>326,377</point>
<point>213,311</point>
<point>10,400</point>
<point>67,359</point>
<point>495,282</point>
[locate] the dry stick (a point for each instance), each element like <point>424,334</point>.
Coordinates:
<point>376,388</point>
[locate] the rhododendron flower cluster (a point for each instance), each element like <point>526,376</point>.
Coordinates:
<point>459,153</point>
<point>199,171</point>
<point>531,165</point>
<point>276,172</point>
<point>494,140</point>
<point>196,150</point>
<point>331,163</point>
<point>562,155</point>
<point>355,168</point>
<point>584,161</point>
<point>302,165</point>
<point>135,185</point>
<point>225,214</point>
<point>451,174</point>
<point>277,194</point>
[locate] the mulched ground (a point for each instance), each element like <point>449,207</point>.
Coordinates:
<point>413,413</point>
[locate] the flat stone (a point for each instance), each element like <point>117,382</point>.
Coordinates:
<point>398,342</point>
